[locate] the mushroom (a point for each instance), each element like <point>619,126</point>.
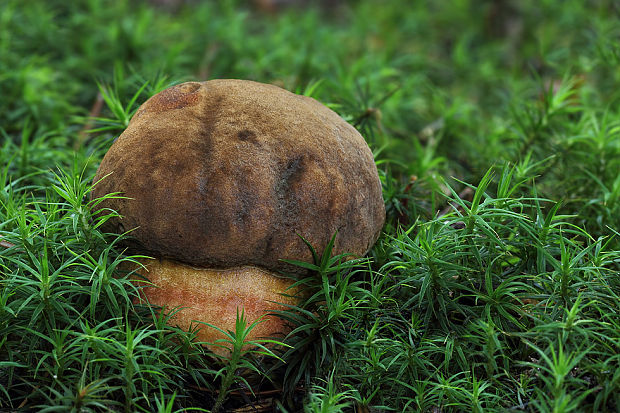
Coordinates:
<point>221,179</point>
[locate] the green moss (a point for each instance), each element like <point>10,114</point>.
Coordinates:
<point>496,131</point>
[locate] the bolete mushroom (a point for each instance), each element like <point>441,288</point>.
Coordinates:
<point>220,179</point>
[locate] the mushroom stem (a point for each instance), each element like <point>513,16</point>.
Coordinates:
<point>214,296</point>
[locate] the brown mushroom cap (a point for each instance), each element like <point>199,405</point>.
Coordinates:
<point>230,172</point>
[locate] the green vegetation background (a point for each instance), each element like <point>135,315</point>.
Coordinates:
<point>496,130</point>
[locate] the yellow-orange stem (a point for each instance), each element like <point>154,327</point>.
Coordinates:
<point>214,295</point>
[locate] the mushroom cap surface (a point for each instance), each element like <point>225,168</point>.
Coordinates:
<point>231,172</point>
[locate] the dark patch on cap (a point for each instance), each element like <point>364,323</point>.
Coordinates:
<point>247,135</point>
<point>294,170</point>
<point>203,149</point>
<point>247,200</point>
<point>288,199</point>
<point>268,241</point>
